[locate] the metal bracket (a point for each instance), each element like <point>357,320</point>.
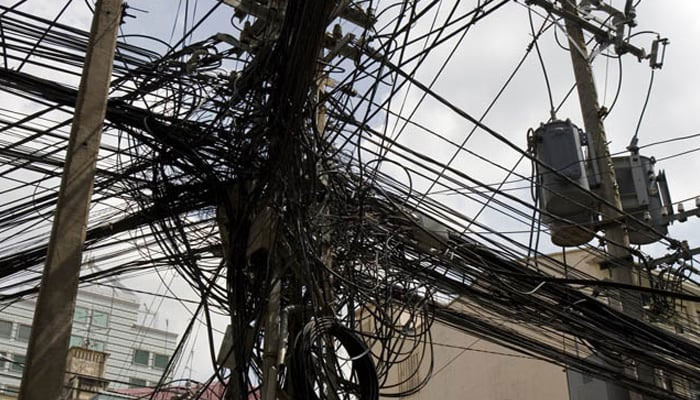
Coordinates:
<point>665,195</point>
<point>601,35</point>
<point>592,164</point>
<point>613,262</point>
<point>639,178</point>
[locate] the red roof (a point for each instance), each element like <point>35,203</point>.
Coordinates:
<point>214,391</point>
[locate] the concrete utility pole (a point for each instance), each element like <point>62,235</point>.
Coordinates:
<point>615,229</point>
<point>621,263</point>
<point>43,376</point>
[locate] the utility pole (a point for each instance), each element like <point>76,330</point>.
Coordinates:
<point>617,238</point>
<point>262,237</point>
<point>43,376</point>
<point>249,222</point>
<point>615,229</point>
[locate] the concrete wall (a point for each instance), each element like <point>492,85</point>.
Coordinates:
<point>468,367</point>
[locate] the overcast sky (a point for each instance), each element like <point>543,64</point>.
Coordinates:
<point>471,79</point>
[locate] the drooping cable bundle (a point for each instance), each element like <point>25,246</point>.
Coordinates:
<point>324,341</point>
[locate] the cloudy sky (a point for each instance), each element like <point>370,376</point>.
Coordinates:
<point>470,80</point>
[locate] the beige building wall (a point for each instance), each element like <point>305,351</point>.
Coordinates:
<point>469,367</point>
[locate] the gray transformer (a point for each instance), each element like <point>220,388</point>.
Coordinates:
<point>644,196</point>
<point>566,203</point>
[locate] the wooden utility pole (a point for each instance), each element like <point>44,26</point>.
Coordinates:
<point>43,376</point>
<point>617,239</point>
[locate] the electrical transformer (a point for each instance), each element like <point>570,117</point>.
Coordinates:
<point>566,204</point>
<point>644,196</point>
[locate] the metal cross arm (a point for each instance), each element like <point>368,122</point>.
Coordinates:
<point>601,35</point>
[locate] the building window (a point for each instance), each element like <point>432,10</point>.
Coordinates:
<point>160,361</point>
<point>23,332</point>
<point>96,345</point>
<point>141,357</point>
<point>76,341</point>
<point>669,384</point>
<point>679,328</point>
<point>11,390</point>
<point>3,360</point>
<point>99,319</point>
<point>17,364</point>
<point>5,329</point>
<point>408,329</point>
<point>137,382</point>
<point>80,315</point>
<point>695,390</point>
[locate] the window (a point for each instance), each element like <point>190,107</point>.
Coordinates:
<point>137,382</point>
<point>17,364</point>
<point>3,360</point>
<point>160,361</point>
<point>23,332</point>
<point>695,390</point>
<point>76,341</point>
<point>5,329</point>
<point>96,345</point>
<point>99,319</point>
<point>11,390</point>
<point>679,328</point>
<point>141,357</point>
<point>80,315</point>
<point>669,384</point>
<point>408,329</point>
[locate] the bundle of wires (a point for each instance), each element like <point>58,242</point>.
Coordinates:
<point>208,137</point>
<point>351,372</point>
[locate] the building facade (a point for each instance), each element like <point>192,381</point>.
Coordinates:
<point>106,319</point>
<point>469,367</point>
